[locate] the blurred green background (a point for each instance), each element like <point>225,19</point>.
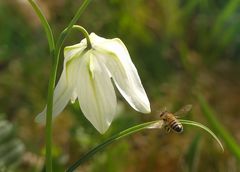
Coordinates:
<point>186,52</point>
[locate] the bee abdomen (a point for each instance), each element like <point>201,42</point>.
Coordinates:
<point>176,126</point>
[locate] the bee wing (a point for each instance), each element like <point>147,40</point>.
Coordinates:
<point>183,110</point>
<point>161,111</point>
<point>157,125</point>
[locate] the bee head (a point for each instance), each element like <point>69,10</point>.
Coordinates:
<point>163,114</point>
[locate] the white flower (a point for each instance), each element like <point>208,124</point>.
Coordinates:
<point>87,76</point>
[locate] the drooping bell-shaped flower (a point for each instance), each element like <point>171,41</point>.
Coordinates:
<point>88,75</point>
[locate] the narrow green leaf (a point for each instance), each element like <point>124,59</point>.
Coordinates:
<point>230,8</point>
<point>193,123</point>
<point>148,125</point>
<point>192,155</point>
<point>230,142</point>
<point>45,25</point>
<point>112,139</point>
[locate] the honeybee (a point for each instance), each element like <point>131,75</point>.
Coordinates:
<point>170,120</point>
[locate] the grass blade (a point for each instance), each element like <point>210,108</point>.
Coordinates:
<point>112,139</point>
<point>193,123</point>
<point>230,142</point>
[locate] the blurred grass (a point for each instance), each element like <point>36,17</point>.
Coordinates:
<point>192,154</point>
<point>218,128</point>
<point>227,13</point>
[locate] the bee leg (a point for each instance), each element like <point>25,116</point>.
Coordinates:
<point>167,129</point>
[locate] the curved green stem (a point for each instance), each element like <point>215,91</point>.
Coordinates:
<point>148,125</point>
<point>45,24</point>
<point>197,124</point>
<point>210,115</point>
<point>85,33</point>
<point>67,31</point>
<point>112,139</point>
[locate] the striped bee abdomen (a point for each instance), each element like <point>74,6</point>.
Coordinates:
<point>176,126</point>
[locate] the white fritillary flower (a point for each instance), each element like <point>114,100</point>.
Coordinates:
<point>88,75</point>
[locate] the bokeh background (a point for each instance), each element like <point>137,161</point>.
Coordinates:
<point>186,52</point>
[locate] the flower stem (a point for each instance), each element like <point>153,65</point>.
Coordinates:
<point>85,33</point>
<point>51,43</point>
<point>51,86</point>
<point>48,131</point>
<point>67,31</point>
<point>54,52</point>
<point>45,24</point>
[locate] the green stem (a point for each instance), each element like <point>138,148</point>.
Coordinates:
<point>45,24</point>
<point>112,139</point>
<point>48,131</point>
<point>55,52</point>
<point>51,43</point>
<point>53,81</point>
<point>193,123</point>
<point>148,125</point>
<point>67,31</point>
<point>85,33</point>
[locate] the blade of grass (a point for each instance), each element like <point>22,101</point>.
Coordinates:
<point>227,12</point>
<point>148,125</point>
<point>112,139</point>
<point>45,25</point>
<point>193,123</point>
<point>218,127</point>
<point>191,157</point>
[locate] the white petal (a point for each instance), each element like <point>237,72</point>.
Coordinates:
<point>74,50</point>
<point>64,90</point>
<point>96,93</point>
<point>96,40</point>
<point>74,53</point>
<point>124,73</point>
<point>61,97</point>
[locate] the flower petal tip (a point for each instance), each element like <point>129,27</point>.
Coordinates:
<point>102,131</point>
<point>40,118</point>
<point>143,107</point>
<point>146,111</point>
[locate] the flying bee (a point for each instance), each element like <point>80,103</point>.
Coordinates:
<point>170,120</point>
